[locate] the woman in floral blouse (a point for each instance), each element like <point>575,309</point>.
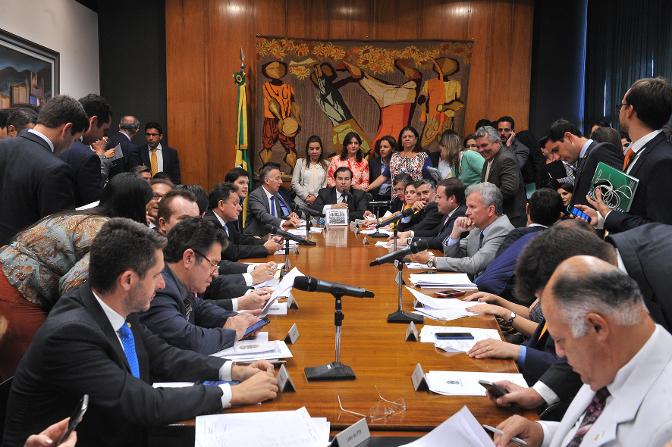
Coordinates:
<point>51,257</point>
<point>353,158</point>
<point>411,160</point>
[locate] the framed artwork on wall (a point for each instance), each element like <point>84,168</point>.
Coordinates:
<point>29,73</point>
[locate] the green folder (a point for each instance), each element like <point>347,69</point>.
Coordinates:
<point>617,188</point>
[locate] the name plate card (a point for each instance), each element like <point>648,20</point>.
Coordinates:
<point>418,379</point>
<point>292,335</point>
<point>285,383</point>
<point>353,435</point>
<point>412,332</point>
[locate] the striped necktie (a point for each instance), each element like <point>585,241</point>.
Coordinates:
<point>590,416</point>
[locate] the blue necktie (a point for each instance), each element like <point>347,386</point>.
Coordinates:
<point>128,342</point>
<point>273,211</point>
<point>283,208</point>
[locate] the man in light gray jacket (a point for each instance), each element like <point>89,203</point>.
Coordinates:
<point>487,226</point>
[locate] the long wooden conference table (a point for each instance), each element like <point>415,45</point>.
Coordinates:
<point>375,349</point>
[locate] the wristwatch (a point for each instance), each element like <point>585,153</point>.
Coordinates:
<point>512,317</point>
<point>430,261</point>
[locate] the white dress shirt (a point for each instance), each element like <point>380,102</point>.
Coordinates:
<point>44,137</point>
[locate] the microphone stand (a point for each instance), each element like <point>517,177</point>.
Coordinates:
<point>285,267</point>
<point>401,316</point>
<point>309,218</point>
<point>334,370</point>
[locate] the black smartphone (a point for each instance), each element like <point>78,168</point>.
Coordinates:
<point>255,327</point>
<point>454,336</point>
<point>493,389</point>
<point>75,418</point>
<point>449,293</point>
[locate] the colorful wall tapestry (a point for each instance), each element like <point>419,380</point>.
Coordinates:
<point>375,88</point>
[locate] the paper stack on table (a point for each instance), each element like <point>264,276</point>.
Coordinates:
<point>428,331</point>
<point>458,281</point>
<point>373,230</point>
<point>283,288</point>
<point>418,266</point>
<point>258,349</point>
<point>465,383</point>
<point>264,429</point>
<point>462,429</point>
<point>302,231</point>
<point>444,309</point>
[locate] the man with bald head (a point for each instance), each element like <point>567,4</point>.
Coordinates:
<point>597,317</point>
<point>128,129</point>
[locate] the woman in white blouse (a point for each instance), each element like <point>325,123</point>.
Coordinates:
<point>310,173</point>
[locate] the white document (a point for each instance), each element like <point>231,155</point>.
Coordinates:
<point>383,244</point>
<point>465,383</point>
<point>418,266</point>
<point>372,231</point>
<point>442,303</point>
<point>427,335</point>
<point>251,350</point>
<point>280,428</point>
<point>462,429</point>
<point>441,314</point>
<point>277,309</point>
<point>442,280</point>
<point>172,384</point>
<point>118,153</point>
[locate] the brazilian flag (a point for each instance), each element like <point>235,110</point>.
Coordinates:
<point>242,150</point>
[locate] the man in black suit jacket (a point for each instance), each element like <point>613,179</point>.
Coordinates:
<point>167,159</point>
<point>646,107</point>
<point>93,343</point>
<point>128,129</point>
<point>343,196</point>
<point>566,139</point>
<point>450,205</point>
<point>84,161</point>
<point>501,169</point>
<point>224,211</point>
<point>34,182</point>
<point>426,219</point>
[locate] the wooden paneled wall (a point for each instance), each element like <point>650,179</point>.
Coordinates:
<point>204,37</point>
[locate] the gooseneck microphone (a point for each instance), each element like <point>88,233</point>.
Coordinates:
<point>310,284</point>
<point>400,254</point>
<point>309,211</point>
<point>274,229</point>
<point>395,217</point>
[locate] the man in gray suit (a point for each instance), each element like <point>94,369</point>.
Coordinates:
<point>266,206</point>
<point>501,169</point>
<point>487,226</point>
<point>598,319</point>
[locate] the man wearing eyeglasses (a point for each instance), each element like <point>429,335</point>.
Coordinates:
<point>177,313</point>
<point>158,157</point>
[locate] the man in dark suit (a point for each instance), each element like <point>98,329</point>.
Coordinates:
<point>426,219</point>
<point>566,139</point>
<point>224,212</point>
<point>343,196</point>
<point>128,129</point>
<point>506,129</point>
<point>501,169</point>
<point>450,205</point>
<point>158,157</point>
<point>83,160</point>
<point>177,313</point>
<point>34,182</point>
<point>94,343</point>
<point>266,206</point>
<point>646,107</point>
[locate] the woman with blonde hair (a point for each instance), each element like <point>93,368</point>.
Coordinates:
<point>455,161</point>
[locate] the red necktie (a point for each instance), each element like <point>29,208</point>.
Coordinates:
<point>590,416</point>
<point>628,157</point>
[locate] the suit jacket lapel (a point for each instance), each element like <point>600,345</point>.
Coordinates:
<point>639,161</point>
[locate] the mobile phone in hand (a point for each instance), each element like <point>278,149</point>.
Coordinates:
<point>579,214</point>
<point>454,336</point>
<point>255,327</point>
<point>75,419</point>
<point>494,389</point>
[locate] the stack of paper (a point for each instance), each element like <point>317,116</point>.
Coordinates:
<point>458,281</point>
<point>301,231</point>
<point>418,266</point>
<point>427,335</point>
<point>462,429</point>
<point>380,230</point>
<point>443,309</point>
<point>258,349</point>
<point>283,288</point>
<point>265,429</point>
<point>465,383</point>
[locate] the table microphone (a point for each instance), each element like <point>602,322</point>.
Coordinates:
<point>395,217</point>
<point>309,211</point>
<point>414,247</point>
<point>274,229</point>
<point>310,284</point>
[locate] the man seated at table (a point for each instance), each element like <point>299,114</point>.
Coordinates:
<point>543,210</point>
<point>235,278</point>
<point>266,206</point>
<point>450,205</point>
<point>224,212</point>
<point>343,196</point>
<point>487,226</point>
<point>177,313</point>
<point>426,219</point>
<point>94,343</point>
<point>598,318</point>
